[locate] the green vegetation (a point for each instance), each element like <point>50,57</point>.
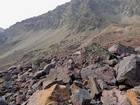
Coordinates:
<point>97,49</point>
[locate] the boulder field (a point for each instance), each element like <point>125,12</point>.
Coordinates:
<point>85,77</point>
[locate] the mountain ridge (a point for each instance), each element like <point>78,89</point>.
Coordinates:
<point>76,21</point>
<point>1,30</point>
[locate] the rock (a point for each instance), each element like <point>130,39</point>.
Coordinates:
<point>94,87</point>
<point>137,50</point>
<point>63,74</point>
<point>12,68</point>
<point>47,84</point>
<point>114,97</point>
<point>48,67</point>
<point>105,73</point>
<point>120,49</point>
<point>129,70</point>
<point>133,95</point>
<point>71,64</point>
<point>2,102</point>
<point>112,62</point>
<point>122,87</point>
<point>38,74</point>
<point>56,93</point>
<point>52,76</point>
<point>80,96</point>
<point>8,84</point>
<point>103,85</point>
<point>59,74</point>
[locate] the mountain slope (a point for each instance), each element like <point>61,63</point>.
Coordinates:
<point>78,21</point>
<point>1,29</point>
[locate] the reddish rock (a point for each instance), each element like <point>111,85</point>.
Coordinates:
<point>56,93</point>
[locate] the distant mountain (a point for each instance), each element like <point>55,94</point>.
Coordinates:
<point>1,29</point>
<point>78,21</point>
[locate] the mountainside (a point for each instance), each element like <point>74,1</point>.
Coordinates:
<point>74,23</point>
<point>1,29</point>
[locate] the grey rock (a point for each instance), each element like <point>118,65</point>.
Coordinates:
<point>120,49</point>
<point>105,73</point>
<point>103,85</point>
<point>81,97</point>
<point>48,67</point>
<point>129,70</point>
<point>114,97</point>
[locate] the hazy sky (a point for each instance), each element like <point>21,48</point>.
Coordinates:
<point>12,11</point>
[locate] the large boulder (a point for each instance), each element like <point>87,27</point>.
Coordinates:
<point>133,95</point>
<point>120,49</point>
<point>114,97</point>
<point>105,73</point>
<point>80,96</point>
<point>129,71</point>
<point>55,94</point>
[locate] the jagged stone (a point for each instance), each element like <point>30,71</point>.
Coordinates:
<point>56,93</point>
<point>48,67</point>
<point>133,95</point>
<point>94,87</point>
<point>114,97</point>
<point>129,70</point>
<point>121,49</point>
<point>105,73</point>
<point>80,96</point>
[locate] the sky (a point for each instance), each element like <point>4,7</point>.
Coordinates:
<point>12,11</point>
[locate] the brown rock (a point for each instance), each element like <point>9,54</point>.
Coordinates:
<point>94,87</point>
<point>54,93</point>
<point>133,95</point>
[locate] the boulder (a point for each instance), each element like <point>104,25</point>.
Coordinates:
<point>133,95</point>
<point>114,97</point>
<point>2,102</point>
<point>105,73</point>
<point>59,74</point>
<point>120,49</point>
<point>80,96</point>
<point>56,93</point>
<point>129,70</point>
